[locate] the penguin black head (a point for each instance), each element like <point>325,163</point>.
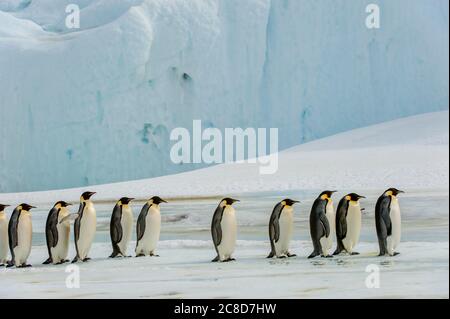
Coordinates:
<point>289,202</point>
<point>157,200</point>
<point>26,207</point>
<point>125,200</point>
<point>229,201</point>
<point>354,197</point>
<point>327,194</point>
<point>393,191</point>
<point>87,195</point>
<point>62,204</point>
<point>2,207</point>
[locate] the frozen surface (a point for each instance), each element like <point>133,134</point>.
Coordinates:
<point>184,269</point>
<point>418,163</point>
<point>97,105</point>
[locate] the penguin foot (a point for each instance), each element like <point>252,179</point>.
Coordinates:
<point>65,261</point>
<point>313,255</point>
<point>217,259</point>
<point>282,257</point>
<point>153,255</point>
<point>2,265</point>
<point>337,252</point>
<point>140,255</point>
<point>10,264</point>
<point>271,255</point>
<point>354,253</point>
<point>86,259</point>
<point>24,266</point>
<point>48,261</point>
<point>75,260</point>
<point>229,260</point>
<point>327,256</point>
<point>291,255</point>
<point>395,254</point>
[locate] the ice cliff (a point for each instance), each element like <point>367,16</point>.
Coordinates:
<point>97,104</point>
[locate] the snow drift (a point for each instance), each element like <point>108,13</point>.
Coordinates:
<point>410,153</point>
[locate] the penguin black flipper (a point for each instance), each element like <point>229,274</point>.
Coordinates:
<point>76,228</point>
<point>341,225</point>
<point>318,226</point>
<point>325,224</point>
<point>383,222</point>
<point>51,232</point>
<point>12,233</point>
<point>116,230</point>
<point>274,228</point>
<point>140,225</point>
<point>216,229</point>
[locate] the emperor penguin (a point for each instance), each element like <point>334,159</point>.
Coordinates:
<point>322,224</point>
<point>281,226</point>
<point>224,230</point>
<point>348,223</point>
<point>3,236</point>
<point>57,232</point>
<point>85,227</point>
<point>121,227</point>
<point>388,222</point>
<point>149,227</point>
<point>20,232</point>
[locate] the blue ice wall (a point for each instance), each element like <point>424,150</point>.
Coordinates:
<point>97,105</point>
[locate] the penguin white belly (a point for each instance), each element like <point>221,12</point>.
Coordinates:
<point>149,241</point>
<point>353,227</point>
<point>327,242</point>
<point>60,251</point>
<point>394,240</point>
<point>3,239</point>
<point>229,233</point>
<point>127,228</point>
<point>286,223</point>
<point>88,226</point>
<point>24,234</point>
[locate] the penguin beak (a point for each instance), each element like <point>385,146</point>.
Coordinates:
<point>360,196</point>
<point>234,200</point>
<point>400,192</point>
<point>163,201</point>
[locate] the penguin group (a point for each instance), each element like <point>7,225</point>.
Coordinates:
<point>325,225</point>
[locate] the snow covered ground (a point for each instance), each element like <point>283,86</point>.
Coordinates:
<point>411,154</point>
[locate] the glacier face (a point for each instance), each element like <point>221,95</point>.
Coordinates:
<point>97,105</point>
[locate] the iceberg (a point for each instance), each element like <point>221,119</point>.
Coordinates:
<point>97,104</point>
